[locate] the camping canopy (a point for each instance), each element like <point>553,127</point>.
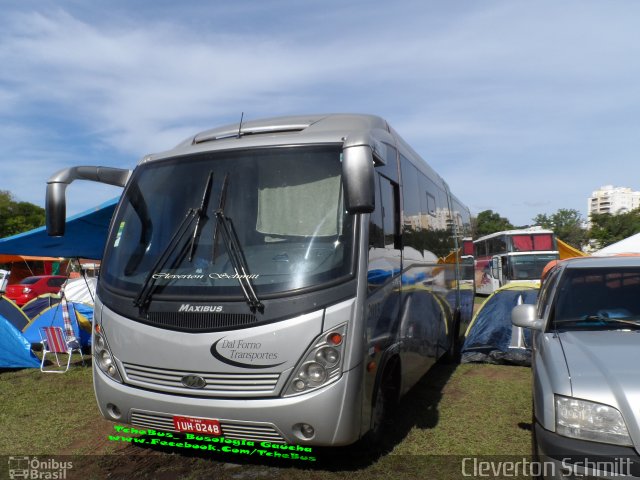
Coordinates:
<point>85,236</point>
<point>628,245</point>
<point>567,251</point>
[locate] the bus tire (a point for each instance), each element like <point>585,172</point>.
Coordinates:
<point>385,400</point>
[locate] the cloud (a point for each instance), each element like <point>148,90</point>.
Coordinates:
<point>514,103</point>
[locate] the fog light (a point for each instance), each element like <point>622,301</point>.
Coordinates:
<point>114,411</point>
<point>299,385</point>
<point>307,430</point>
<point>316,373</point>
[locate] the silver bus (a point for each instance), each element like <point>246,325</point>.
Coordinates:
<point>283,280</point>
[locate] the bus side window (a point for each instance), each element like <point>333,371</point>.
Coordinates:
<point>376,229</point>
<point>384,237</point>
<point>389,195</point>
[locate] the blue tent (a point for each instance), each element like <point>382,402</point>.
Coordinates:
<point>15,350</point>
<point>36,306</point>
<point>12,313</point>
<point>85,236</point>
<point>80,315</point>
<point>489,336</point>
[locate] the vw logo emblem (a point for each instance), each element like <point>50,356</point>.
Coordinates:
<point>193,381</point>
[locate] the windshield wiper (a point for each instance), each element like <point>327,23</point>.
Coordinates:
<point>201,212</point>
<point>603,319</point>
<point>236,255</point>
<point>144,295</point>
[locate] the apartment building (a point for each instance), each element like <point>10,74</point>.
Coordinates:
<point>614,200</point>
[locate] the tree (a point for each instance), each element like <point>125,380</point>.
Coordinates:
<point>17,217</point>
<point>566,224</point>
<point>607,229</point>
<point>488,222</point>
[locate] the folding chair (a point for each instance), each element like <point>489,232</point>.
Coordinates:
<point>55,341</point>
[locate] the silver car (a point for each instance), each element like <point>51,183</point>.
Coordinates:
<point>586,368</point>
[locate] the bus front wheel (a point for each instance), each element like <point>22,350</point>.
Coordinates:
<point>385,400</point>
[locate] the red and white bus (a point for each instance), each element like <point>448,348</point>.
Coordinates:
<point>511,256</point>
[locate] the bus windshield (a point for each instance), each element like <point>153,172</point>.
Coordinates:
<point>286,211</point>
<point>529,267</point>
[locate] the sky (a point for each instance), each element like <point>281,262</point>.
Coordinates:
<point>522,107</point>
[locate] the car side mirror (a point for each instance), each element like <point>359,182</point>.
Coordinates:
<point>525,316</point>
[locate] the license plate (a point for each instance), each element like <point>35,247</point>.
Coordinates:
<point>197,425</point>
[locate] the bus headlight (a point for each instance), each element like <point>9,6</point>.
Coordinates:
<point>328,356</point>
<point>102,355</point>
<point>321,364</point>
<point>315,373</point>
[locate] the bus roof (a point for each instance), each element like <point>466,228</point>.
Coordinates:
<point>331,128</point>
<point>289,130</point>
<point>524,231</point>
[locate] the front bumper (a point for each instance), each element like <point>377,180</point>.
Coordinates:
<point>568,458</point>
<point>333,411</point>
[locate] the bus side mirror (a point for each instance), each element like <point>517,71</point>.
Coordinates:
<point>358,179</point>
<point>55,201</point>
<point>56,208</point>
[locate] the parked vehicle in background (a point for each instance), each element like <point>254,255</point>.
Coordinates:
<point>510,256</point>
<point>4,280</point>
<point>586,380</point>
<point>30,287</point>
<point>278,280</point>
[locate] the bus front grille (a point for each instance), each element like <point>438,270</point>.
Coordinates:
<point>215,384</point>
<point>234,429</point>
<point>199,321</point>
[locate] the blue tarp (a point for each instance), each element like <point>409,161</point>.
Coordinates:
<point>15,350</point>
<point>85,236</point>
<point>488,339</point>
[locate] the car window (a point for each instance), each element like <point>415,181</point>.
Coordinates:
<point>597,298</point>
<point>29,280</point>
<point>547,289</point>
<point>56,282</point>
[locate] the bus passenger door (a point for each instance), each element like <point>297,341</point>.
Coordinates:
<point>383,282</point>
<point>496,271</point>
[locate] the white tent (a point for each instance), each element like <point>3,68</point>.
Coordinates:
<point>628,245</point>
<point>81,290</point>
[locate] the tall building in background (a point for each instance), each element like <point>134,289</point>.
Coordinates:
<point>613,200</point>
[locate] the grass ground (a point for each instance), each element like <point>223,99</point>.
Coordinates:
<point>454,411</point>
